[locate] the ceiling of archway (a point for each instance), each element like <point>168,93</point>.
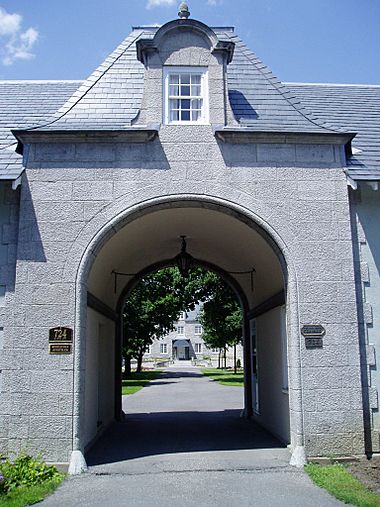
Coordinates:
<point>212,236</point>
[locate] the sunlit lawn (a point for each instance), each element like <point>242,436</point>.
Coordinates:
<point>20,497</point>
<point>138,380</point>
<point>225,377</point>
<point>340,483</point>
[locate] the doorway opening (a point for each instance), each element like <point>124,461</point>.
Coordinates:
<point>229,243</point>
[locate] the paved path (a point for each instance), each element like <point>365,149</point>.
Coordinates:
<point>184,443</point>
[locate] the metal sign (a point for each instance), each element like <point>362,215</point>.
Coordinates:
<point>60,348</point>
<point>313,342</point>
<point>60,340</point>
<point>61,334</point>
<point>313,330</point>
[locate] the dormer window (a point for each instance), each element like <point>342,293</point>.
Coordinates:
<point>186,95</point>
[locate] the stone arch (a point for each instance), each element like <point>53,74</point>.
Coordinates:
<point>112,220</point>
<point>235,286</point>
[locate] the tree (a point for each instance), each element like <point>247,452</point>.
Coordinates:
<point>221,317</point>
<point>149,312</point>
<point>154,305</point>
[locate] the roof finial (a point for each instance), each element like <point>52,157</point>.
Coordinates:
<point>184,12</point>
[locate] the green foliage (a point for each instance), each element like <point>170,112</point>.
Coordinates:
<point>225,377</point>
<point>23,496</point>
<point>152,308</point>
<point>341,484</point>
<point>221,316</point>
<point>154,305</point>
<point>25,471</point>
<point>137,381</point>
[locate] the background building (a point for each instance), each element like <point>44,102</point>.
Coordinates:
<point>186,342</point>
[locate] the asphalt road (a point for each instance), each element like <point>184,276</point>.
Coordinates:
<point>183,442</point>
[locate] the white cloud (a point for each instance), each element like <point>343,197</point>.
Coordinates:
<point>9,23</point>
<point>159,3</point>
<point>214,2</point>
<point>14,43</point>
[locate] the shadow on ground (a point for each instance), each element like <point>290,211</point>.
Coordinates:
<point>181,374</point>
<point>148,434</point>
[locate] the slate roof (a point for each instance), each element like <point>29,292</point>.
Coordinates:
<point>22,104</point>
<point>356,107</point>
<point>111,97</point>
<point>259,100</point>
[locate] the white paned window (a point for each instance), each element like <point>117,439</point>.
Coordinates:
<point>198,329</point>
<point>181,330</point>
<point>148,349</point>
<point>163,348</point>
<point>198,348</point>
<point>186,95</point>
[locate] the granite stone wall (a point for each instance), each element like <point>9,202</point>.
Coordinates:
<point>68,198</point>
<point>365,203</point>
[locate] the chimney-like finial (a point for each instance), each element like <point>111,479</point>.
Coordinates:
<point>184,12</point>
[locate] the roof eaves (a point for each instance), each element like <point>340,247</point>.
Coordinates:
<point>135,134</point>
<point>245,134</point>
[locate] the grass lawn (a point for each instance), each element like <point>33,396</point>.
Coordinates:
<point>21,497</point>
<point>138,380</point>
<point>341,484</point>
<point>225,377</point>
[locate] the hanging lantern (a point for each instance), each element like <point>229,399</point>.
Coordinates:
<point>184,260</point>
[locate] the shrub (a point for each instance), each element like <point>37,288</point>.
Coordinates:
<point>24,471</point>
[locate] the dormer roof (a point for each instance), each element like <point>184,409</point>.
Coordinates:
<point>111,97</point>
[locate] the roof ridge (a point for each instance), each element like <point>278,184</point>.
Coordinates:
<point>294,83</point>
<point>40,81</point>
<point>267,74</point>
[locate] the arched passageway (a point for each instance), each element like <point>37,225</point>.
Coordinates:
<point>219,236</point>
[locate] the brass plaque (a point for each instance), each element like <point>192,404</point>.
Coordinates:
<point>61,334</point>
<point>60,348</point>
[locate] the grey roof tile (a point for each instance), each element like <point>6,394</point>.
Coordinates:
<point>111,98</point>
<point>22,104</point>
<point>355,107</point>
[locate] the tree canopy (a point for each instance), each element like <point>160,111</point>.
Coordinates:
<point>221,316</point>
<point>154,305</point>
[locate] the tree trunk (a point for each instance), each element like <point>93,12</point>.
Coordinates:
<point>235,368</point>
<point>127,365</point>
<point>225,358</point>
<point>219,357</point>
<point>139,361</point>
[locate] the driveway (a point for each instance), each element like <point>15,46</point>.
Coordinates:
<point>183,441</point>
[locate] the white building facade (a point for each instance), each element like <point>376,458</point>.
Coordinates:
<point>186,343</point>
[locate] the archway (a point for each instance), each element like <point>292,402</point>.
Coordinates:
<point>224,236</point>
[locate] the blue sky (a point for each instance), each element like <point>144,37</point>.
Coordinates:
<point>300,40</point>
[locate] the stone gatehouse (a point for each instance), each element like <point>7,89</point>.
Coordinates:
<point>184,131</point>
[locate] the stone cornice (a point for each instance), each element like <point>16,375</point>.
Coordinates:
<point>142,134</point>
<point>145,47</point>
<point>239,135</point>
